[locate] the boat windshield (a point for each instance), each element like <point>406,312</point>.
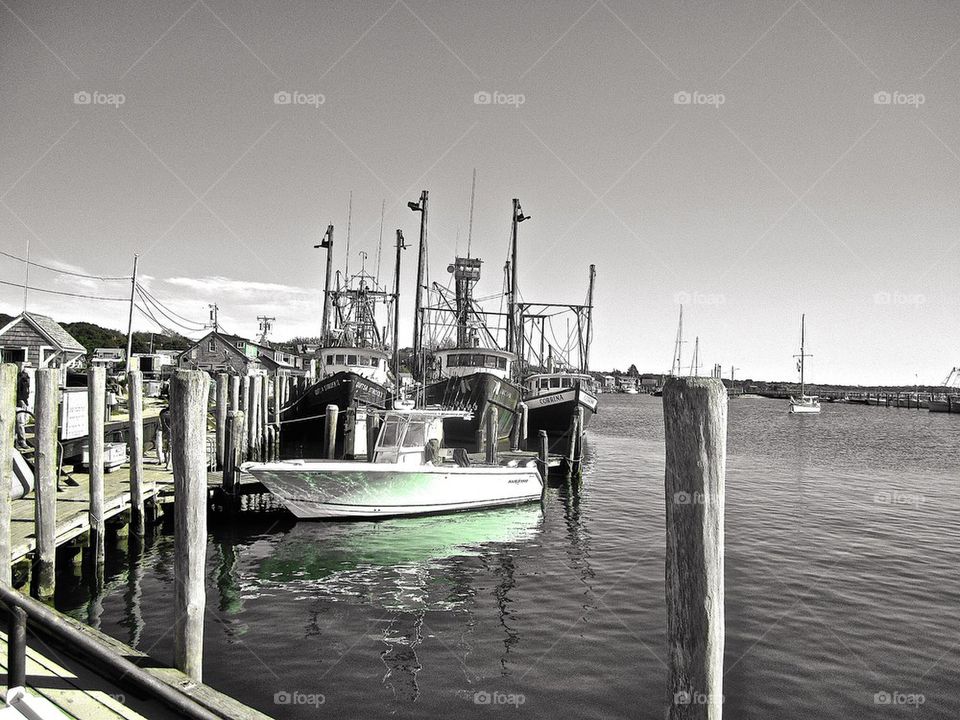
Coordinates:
<point>391,431</point>
<point>416,435</point>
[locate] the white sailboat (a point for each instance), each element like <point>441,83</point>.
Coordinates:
<point>805,403</point>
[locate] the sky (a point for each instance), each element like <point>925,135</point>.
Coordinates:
<point>750,160</point>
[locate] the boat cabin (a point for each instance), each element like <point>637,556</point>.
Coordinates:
<point>457,362</point>
<point>370,363</point>
<point>405,436</point>
<point>547,382</point>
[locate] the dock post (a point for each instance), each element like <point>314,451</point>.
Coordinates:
<point>544,457</point>
<point>253,404</point>
<point>8,414</point>
<point>244,408</point>
<point>96,404</point>
<point>492,432</point>
<point>264,419</point>
<point>45,507</point>
<point>578,446</point>
<point>17,648</point>
<point>373,433</point>
<point>234,392</point>
<point>349,432</point>
<point>330,432</point>
<point>695,423</point>
<point>515,431</point>
<point>524,425</point>
<point>135,403</point>
<point>233,452</point>
<point>572,441</point>
<point>188,404</point>
<point>277,400</point>
<point>221,417</point>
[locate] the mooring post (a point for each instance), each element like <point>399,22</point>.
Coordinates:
<point>695,426</point>
<point>234,392</point>
<point>373,433</point>
<point>16,648</point>
<point>45,491</point>
<point>245,409</point>
<point>233,452</point>
<point>349,431</point>
<point>578,447</point>
<point>253,404</point>
<point>96,404</point>
<point>544,457</point>
<point>221,416</point>
<point>493,435</point>
<point>135,402</point>
<point>8,415</point>
<point>264,419</point>
<point>188,404</point>
<point>277,400</point>
<point>524,425</point>
<point>571,445</point>
<point>330,432</point>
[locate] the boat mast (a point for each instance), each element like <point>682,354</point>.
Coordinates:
<point>675,369</point>
<point>586,352</point>
<point>396,311</point>
<point>327,243</point>
<point>420,207</point>
<point>518,217</point>
<point>802,352</point>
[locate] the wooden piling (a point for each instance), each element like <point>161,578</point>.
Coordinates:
<point>330,432</point>
<point>264,416</point>
<point>245,409</point>
<point>492,432</point>
<point>695,424</point>
<point>234,392</point>
<point>578,446</point>
<point>233,451</point>
<point>8,421</point>
<point>571,446</point>
<point>544,457</point>
<point>349,431</point>
<point>135,403</point>
<point>253,406</point>
<point>524,425</point>
<point>46,407</point>
<point>277,400</point>
<point>16,649</point>
<point>221,416</point>
<point>373,433</point>
<point>188,404</point>
<point>96,404</point>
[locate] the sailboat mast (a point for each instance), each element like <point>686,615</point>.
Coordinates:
<point>802,351</point>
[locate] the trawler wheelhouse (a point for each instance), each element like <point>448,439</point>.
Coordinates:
<point>545,382</point>
<point>457,362</point>
<point>370,363</point>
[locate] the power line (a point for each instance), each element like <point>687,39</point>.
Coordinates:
<point>166,311</point>
<point>159,308</point>
<point>62,292</point>
<point>64,272</point>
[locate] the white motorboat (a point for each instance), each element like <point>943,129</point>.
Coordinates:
<point>805,403</point>
<point>411,474</point>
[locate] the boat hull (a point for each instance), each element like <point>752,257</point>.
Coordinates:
<point>304,421</point>
<point>944,406</point>
<point>314,490</point>
<point>804,409</point>
<point>475,392</point>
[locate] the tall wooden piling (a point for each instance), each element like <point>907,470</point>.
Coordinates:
<point>17,649</point>
<point>277,400</point>
<point>695,425</point>
<point>188,405</point>
<point>330,432</point>
<point>524,426</point>
<point>264,417</point>
<point>46,406</point>
<point>135,403</point>
<point>8,415</point>
<point>253,406</point>
<point>572,441</point>
<point>245,409</point>
<point>96,406</point>
<point>233,452</point>
<point>221,416</point>
<point>544,457</point>
<point>234,392</point>
<point>349,432</point>
<point>492,433</point>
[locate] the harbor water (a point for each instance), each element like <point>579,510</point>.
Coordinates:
<point>842,585</point>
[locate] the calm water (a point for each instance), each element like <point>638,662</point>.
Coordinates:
<point>841,577</point>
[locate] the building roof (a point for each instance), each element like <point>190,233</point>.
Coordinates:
<point>50,329</point>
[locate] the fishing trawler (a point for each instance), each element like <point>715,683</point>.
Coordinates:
<point>352,365</point>
<point>805,403</point>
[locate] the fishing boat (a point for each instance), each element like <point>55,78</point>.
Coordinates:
<point>413,472</point>
<point>352,365</point>
<point>804,403</point>
<point>553,398</point>
<point>945,404</point>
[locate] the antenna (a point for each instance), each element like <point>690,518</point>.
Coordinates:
<point>346,260</point>
<point>213,318</point>
<point>266,324</point>
<point>473,192</point>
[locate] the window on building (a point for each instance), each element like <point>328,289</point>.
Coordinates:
<point>240,344</point>
<point>212,346</point>
<point>13,354</point>
<point>329,359</point>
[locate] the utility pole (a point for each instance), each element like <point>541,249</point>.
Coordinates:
<point>420,207</point>
<point>327,243</point>
<point>133,292</point>
<point>266,324</point>
<point>396,311</point>
<point>214,321</point>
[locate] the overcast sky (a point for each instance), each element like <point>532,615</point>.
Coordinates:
<point>734,156</point>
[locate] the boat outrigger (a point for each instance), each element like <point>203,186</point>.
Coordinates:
<point>412,473</point>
